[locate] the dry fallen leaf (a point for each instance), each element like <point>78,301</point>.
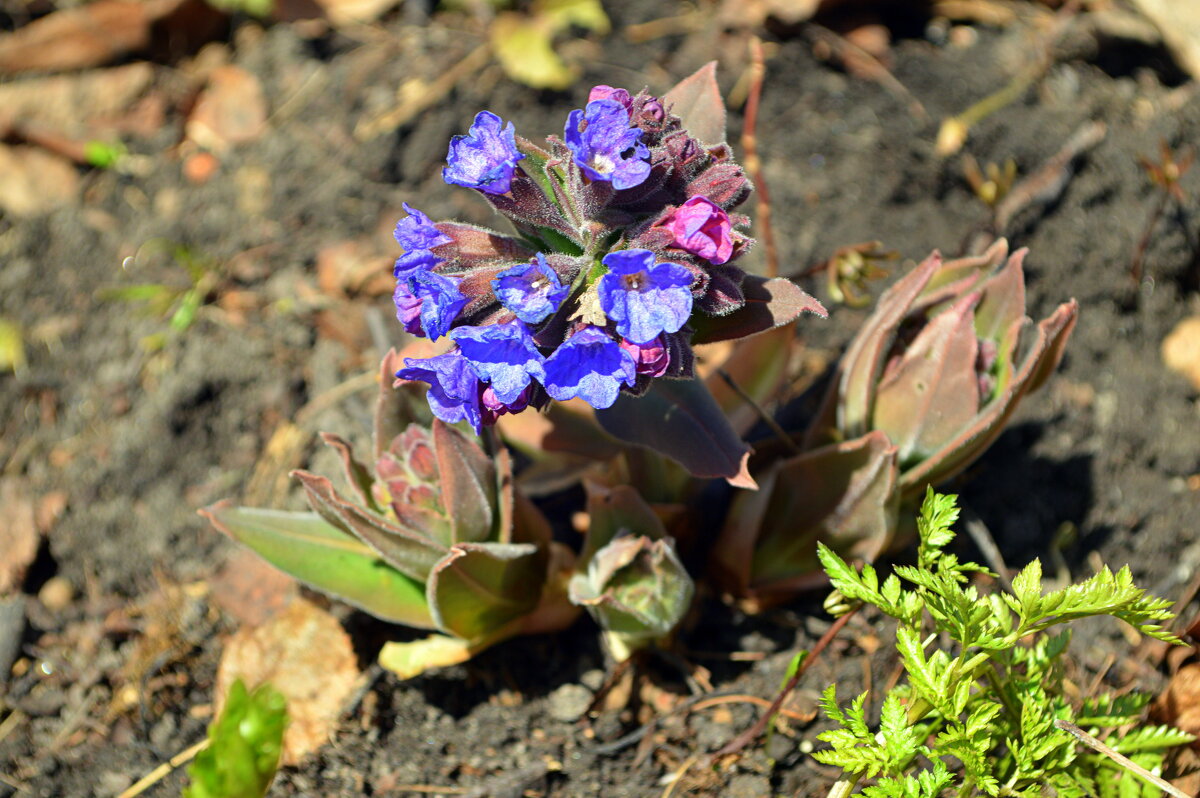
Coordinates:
<point>250,590</point>
<point>1181,349</point>
<point>33,181</point>
<point>307,656</point>
<point>66,103</point>
<point>19,536</point>
<point>231,110</point>
<point>79,37</point>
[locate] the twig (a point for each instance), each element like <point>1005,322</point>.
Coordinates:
<point>430,96</point>
<point>160,772</point>
<point>1143,244</point>
<point>746,737</point>
<point>779,431</point>
<point>1121,760</point>
<point>11,722</point>
<point>987,546</point>
<point>753,163</point>
<point>1048,182</point>
<point>874,67</point>
<point>679,773</point>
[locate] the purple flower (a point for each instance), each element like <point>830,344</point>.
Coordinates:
<point>589,365</point>
<point>530,290</point>
<point>415,231</point>
<point>502,355</point>
<point>414,260</point>
<point>427,303</point>
<point>651,358</point>
<point>701,228</point>
<point>603,92</point>
<point>605,146</point>
<point>484,158</point>
<point>453,387</point>
<point>644,299</point>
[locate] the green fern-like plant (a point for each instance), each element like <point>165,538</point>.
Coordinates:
<point>978,716</point>
<point>244,745</point>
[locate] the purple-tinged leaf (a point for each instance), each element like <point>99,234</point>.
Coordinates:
<point>479,588</point>
<point>408,552</point>
<point>1036,365</point>
<point>327,559</point>
<point>358,476</point>
<point>399,405</point>
<point>468,485</point>
<point>697,101</point>
<point>1003,302</point>
<point>770,303</point>
<point>843,495</point>
<point>931,392</point>
<point>680,419</point>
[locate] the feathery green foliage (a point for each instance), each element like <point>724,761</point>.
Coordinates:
<point>244,746</point>
<point>986,706</point>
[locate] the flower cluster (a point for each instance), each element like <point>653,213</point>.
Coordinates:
<point>623,231</point>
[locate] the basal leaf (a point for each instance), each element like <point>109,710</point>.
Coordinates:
<point>325,558</point>
<point>680,419</point>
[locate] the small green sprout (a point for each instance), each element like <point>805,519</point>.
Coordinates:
<point>979,715</point>
<point>178,304</point>
<point>244,745</point>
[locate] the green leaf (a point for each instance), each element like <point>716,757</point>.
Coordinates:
<point>12,346</point>
<point>524,47</point>
<point>244,745</point>
<point>407,660</point>
<point>325,558</point>
<point>680,419</point>
<point>479,588</point>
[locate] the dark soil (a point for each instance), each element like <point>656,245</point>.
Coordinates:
<point>139,439</point>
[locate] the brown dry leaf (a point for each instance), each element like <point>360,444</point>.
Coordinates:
<point>33,181</point>
<point>1179,704</point>
<point>1179,21</point>
<point>81,37</point>
<point>250,590</point>
<point>66,102</point>
<point>49,508</point>
<point>307,656</point>
<point>353,267</point>
<point>19,536</point>
<point>231,110</point>
<point>355,12</point>
<point>1181,349</point>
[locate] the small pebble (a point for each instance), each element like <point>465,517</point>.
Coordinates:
<point>748,785</point>
<point>56,594</point>
<point>569,702</point>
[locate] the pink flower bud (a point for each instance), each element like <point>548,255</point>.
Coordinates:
<point>701,228</point>
<point>649,358</point>
<point>609,93</point>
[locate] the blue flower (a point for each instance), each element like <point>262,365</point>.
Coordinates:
<point>433,299</point>
<point>502,355</point>
<point>484,158</point>
<point>453,387</point>
<point>415,231</point>
<point>530,290</point>
<point>413,260</point>
<point>605,146</point>
<point>589,365</point>
<point>644,299</point>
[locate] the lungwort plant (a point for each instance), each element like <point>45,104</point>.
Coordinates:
<point>925,387</point>
<point>435,537</point>
<point>984,683</point>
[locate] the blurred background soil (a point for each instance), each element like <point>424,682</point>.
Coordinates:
<point>195,253</point>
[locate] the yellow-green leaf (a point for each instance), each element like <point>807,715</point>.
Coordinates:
<point>524,47</point>
<point>12,346</point>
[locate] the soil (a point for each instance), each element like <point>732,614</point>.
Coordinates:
<point>138,438</point>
